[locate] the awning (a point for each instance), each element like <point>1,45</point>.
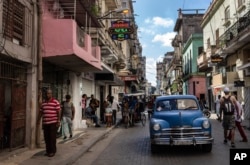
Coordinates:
<point>109,78</point>
<point>244,66</point>
<point>222,86</point>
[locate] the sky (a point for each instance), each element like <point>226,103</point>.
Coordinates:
<point>156,20</point>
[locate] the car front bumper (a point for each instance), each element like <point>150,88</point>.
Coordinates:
<point>182,141</point>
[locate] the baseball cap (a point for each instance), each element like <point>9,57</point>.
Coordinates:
<point>226,89</point>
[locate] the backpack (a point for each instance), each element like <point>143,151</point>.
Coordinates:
<point>228,106</point>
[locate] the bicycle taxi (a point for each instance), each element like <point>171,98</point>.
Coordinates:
<point>134,109</point>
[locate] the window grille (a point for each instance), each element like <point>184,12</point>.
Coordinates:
<point>13,21</point>
<point>12,71</point>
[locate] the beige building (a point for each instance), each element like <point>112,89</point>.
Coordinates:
<point>226,48</point>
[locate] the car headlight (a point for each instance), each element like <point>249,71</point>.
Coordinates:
<point>205,124</point>
<point>156,127</point>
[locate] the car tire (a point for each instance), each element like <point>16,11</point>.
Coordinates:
<point>154,148</point>
<point>207,147</point>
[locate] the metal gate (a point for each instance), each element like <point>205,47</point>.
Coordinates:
<point>13,82</point>
<point>247,104</point>
<point>18,106</point>
<point>2,116</point>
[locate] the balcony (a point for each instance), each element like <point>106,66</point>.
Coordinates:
<point>66,45</point>
<point>112,4</point>
<point>81,11</point>
<point>202,62</point>
<point>237,35</point>
<point>220,80</point>
<point>108,46</point>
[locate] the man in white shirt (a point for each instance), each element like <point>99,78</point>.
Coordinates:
<point>114,106</point>
<point>217,104</point>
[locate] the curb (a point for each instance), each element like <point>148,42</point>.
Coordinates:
<point>77,155</point>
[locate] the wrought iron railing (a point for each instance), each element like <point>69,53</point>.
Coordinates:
<point>235,29</point>
<point>12,71</point>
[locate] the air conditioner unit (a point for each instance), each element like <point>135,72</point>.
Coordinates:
<point>247,71</point>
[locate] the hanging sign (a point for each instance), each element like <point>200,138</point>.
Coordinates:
<point>120,30</point>
<point>216,59</point>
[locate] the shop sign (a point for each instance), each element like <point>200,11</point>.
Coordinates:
<point>216,59</point>
<point>120,30</point>
<point>129,78</point>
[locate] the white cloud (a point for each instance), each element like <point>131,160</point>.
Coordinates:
<point>151,70</point>
<point>159,21</point>
<point>165,22</point>
<point>165,39</point>
<point>146,30</point>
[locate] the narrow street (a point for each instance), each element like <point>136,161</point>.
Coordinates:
<point>131,146</point>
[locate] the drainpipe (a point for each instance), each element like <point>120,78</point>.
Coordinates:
<point>40,68</point>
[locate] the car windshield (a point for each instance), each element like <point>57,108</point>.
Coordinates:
<point>176,104</point>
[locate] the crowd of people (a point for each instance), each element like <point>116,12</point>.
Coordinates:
<point>55,114</point>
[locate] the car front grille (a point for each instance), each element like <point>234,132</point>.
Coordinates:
<point>182,132</point>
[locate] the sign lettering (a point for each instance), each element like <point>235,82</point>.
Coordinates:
<point>120,30</point>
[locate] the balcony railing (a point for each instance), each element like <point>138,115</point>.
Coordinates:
<point>201,59</point>
<point>83,12</point>
<point>235,29</point>
<point>225,78</point>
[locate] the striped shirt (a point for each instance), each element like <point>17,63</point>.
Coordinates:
<point>50,110</point>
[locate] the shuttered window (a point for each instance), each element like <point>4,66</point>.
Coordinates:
<point>13,21</point>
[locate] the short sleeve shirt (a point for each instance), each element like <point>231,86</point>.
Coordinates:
<point>50,111</point>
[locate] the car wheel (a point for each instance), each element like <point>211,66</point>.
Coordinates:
<point>207,147</point>
<point>154,148</point>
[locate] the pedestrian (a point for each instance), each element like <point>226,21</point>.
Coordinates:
<point>50,114</point>
<point>132,107</point>
<point>84,105</point>
<point>150,104</point>
<point>68,114</point>
<point>217,106</point>
<point>202,103</point>
<point>228,106</point>
<point>115,107</point>
<point>96,102</point>
<point>106,105</point>
<point>90,113</point>
<point>238,120</point>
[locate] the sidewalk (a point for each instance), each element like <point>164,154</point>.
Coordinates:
<point>67,150</point>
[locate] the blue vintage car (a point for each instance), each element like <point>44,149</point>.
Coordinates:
<point>178,120</point>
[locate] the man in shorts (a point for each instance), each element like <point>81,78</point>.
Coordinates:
<point>228,121</point>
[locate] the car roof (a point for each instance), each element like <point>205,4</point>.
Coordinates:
<point>175,97</point>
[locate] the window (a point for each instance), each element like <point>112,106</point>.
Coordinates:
<point>227,14</point>
<point>234,68</point>
<point>217,38</point>
<point>13,21</point>
<point>208,43</point>
<point>124,5</point>
<point>240,3</point>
